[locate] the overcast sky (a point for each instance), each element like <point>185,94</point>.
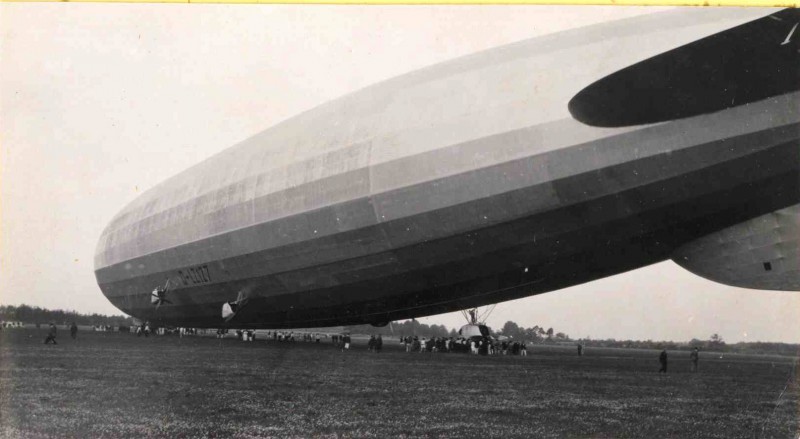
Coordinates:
<point>101,102</point>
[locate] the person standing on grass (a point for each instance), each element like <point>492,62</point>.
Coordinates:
<point>663,360</point>
<point>695,357</point>
<point>73,331</point>
<point>378,344</point>
<point>580,350</point>
<point>51,334</point>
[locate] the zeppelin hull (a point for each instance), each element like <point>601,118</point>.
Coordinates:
<point>457,186</point>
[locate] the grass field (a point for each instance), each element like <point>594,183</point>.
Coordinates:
<point>118,385</point>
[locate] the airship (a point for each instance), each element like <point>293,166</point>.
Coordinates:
<point>510,172</point>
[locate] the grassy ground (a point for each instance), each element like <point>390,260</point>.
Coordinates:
<point>117,385</point>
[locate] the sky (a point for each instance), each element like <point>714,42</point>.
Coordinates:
<point>101,102</point>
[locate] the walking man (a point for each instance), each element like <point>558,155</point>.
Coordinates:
<point>51,334</point>
<point>663,360</point>
<point>73,331</point>
<point>695,357</point>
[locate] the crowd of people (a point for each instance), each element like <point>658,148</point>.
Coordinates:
<point>341,340</point>
<point>308,337</point>
<point>146,330</point>
<point>473,345</point>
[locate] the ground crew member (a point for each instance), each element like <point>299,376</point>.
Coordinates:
<point>695,357</point>
<point>663,360</point>
<point>73,331</point>
<point>580,350</point>
<point>378,344</point>
<point>51,334</point>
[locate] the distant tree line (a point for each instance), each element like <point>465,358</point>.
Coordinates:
<point>535,334</point>
<point>35,314</point>
<point>714,343</point>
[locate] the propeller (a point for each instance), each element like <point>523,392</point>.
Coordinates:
<point>229,309</point>
<point>159,295</point>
